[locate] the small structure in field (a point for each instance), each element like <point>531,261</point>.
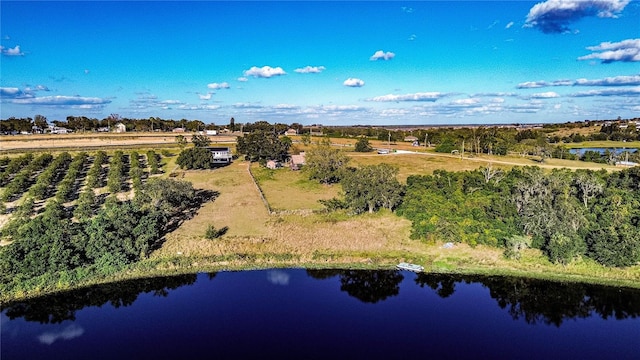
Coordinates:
<point>273,164</point>
<point>220,155</point>
<point>291,132</point>
<point>178,130</point>
<point>410,138</point>
<point>297,161</point>
<point>119,128</point>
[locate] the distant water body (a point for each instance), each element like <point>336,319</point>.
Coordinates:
<point>581,151</point>
<point>321,314</point>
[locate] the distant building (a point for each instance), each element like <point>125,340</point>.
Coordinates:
<point>212,132</point>
<point>273,164</point>
<point>410,139</point>
<point>221,155</point>
<point>59,130</point>
<point>119,128</point>
<point>178,130</point>
<point>297,161</point>
<point>626,163</point>
<point>291,132</point>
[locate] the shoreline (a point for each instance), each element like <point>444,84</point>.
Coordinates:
<point>167,267</point>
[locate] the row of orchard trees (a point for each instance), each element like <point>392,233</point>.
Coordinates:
<point>54,241</point>
<point>40,177</point>
<point>52,248</point>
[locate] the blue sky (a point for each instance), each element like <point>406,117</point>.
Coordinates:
<point>334,63</point>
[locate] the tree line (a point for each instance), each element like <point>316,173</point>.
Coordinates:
<point>566,214</point>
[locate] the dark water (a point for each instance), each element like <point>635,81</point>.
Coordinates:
<point>327,314</point>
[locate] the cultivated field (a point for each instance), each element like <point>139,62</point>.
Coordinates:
<point>79,141</point>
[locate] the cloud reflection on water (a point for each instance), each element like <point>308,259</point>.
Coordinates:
<point>278,277</point>
<point>68,333</point>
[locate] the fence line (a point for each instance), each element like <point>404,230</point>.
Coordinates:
<point>264,199</point>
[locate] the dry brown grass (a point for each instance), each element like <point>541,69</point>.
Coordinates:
<point>582,131</point>
<point>238,207</point>
<point>94,140</point>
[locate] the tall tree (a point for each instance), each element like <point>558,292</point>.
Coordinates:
<point>372,187</point>
<point>262,146</point>
<point>363,145</point>
<point>200,141</point>
<point>325,164</point>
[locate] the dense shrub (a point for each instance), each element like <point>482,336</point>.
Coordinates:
<point>195,158</point>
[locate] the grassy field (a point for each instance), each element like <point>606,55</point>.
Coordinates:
<point>292,190</point>
<point>316,239</point>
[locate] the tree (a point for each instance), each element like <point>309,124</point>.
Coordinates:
<point>363,145</point>
<point>232,125</point>
<point>262,146</point>
<point>195,158</point>
<point>563,249</point>
<point>40,121</point>
<point>514,246</point>
<point>325,164</point>
<point>306,138</point>
<point>200,141</point>
<point>372,187</point>
<point>589,185</point>
<point>181,141</point>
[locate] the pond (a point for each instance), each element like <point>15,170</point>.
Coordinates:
<point>320,314</point>
<point>618,151</point>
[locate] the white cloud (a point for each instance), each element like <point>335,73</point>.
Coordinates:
<point>611,81</point>
<point>62,101</point>
<point>37,88</point>
<point>15,51</point>
<point>412,37</point>
<point>242,79</point>
<point>353,82</point>
<point>310,70</point>
<point>11,92</point>
<point>424,96</point>
<point>554,16</point>
<point>464,102</point>
<point>198,107</point>
<point>509,25</point>
<point>264,72</point>
<point>532,84</point>
<point>247,106</point>
<point>609,92</point>
<point>68,333</point>
<point>217,86</point>
<point>207,96</point>
<point>545,95</point>
<point>608,52</point>
<point>381,55</point>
